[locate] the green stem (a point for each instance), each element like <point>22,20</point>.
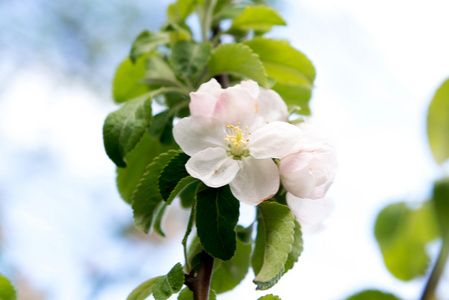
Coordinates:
<point>437,271</point>
<point>184,240</point>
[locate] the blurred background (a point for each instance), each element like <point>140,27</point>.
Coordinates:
<point>66,234</point>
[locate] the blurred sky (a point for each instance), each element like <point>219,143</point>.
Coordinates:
<point>61,219</point>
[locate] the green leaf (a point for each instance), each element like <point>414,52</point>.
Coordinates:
<point>438,124</point>
<point>239,60</point>
<point>440,201</point>
<point>269,297</point>
<point>402,235</point>
<point>146,42</point>
<point>161,127</point>
<point>7,291</point>
<point>182,184</point>
<point>143,291</point>
<point>179,11</point>
<point>187,294</point>
<point>137,160</point>
<point>373,295</point>
<point>245,235</point>
<point>169,284</point>
<point>159,72</point>
<point>297,248</point>
<point>158,221</point>
<point>230,273</point>
<point>275,236</point>
<point>172,174</point>
<point>127,78</point>
<point>217,213</point>
<point>188,57</point>
<point>124,128</point>
<point>292,70</point>
<point>187,195</point>
<point>258,18</point>
<point>146,196</point>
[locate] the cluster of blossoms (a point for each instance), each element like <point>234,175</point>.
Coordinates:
<point>241,136</point>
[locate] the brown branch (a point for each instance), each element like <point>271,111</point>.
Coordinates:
<point>200,285</point>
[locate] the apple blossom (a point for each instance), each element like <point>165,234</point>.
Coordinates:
<point>310,213</point>
<point>233,136</point>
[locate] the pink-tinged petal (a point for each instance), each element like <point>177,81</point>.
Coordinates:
<point>308,174</point>
<point>252,87</point>
<point>271,106</point>
<point>275,140</point>
<point>213,167</point>
<point>236,105</point>
<point>194,134</point>
<point>257,180</point>
<point>310,213</point>
<point>203,101</point>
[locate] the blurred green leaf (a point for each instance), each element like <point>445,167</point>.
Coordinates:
<point>143,291</point>
<point>292,70</point>
<point>137,160</point>
<point>127,78</point>
<point>217,213</point>
<point>245,235</point>
<point>441,203</point>
<point>275,236</point>
<point>159,72</point>
<point>269,297</point>
<point>239,60</point>
<point>297,248</point>
<point>187,294</point>
<point>231,272</point>
<point>180,10</point>
<point>373,295</point>
<point>258,18</point>
<point>173,172</point>
<point>146,42</point>
<point>438,123</point>
<point>170,284</point>
<point>7,291</point>
<point>402,234</point>
<point>188,57</point>
<point>124,128</point>
<point>146,196</point>
<point>158,220</point>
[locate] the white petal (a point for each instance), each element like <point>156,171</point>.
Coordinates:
<point>194,134</point>
<point>310,213</point>
<point>236,105</point>
<point>252,87</point>
<point>257,180</point>
<point>276,139</point>
<point>271,106</point>
<point>213,167</point>
<point>202,102</point>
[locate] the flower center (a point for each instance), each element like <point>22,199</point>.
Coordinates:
<point>237,140</point>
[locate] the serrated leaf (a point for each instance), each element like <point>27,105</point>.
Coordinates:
<point>239,60</point>
<point>172,174</point>
<point>275,236</point>
<point>402,234</point>
<point>438,123</point>
<point>146,196</point>
<point>126,84</point>
<point>373,295</point>
<point>230,273</point>
<point>292,70</point>
<point>159,72</point>
<point>269,297</point>
<point>297,248</point>
<point>7,291</point>
<point>146,42</point>
<point>124,128</point>
<point>217,213</point>
<point>258,18</point>
<point>137,160</point>
<point>188,58</point>
<point>187,294</point>
<point>143,291</point>
<point>170,284</point>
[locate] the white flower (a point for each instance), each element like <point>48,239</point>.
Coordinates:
<point>233,136</point>
<point>310,213</point>
<point>310,171</point>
